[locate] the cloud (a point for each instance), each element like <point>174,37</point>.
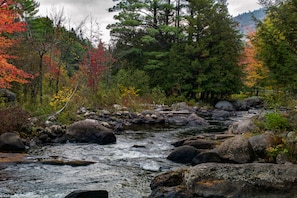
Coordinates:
<point>238,6</point>
<point>77,10</point>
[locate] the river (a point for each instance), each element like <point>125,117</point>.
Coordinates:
<point>124,169</point>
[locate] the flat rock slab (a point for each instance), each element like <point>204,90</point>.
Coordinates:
<point>228,180</point>
<point>12,157</point>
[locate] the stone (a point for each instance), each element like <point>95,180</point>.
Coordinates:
<point>8,96</point>
<point>194,120</point>
<point>228,180</point>
<point>73,163</point>
<point>220,114</point>
<point>196,142</point>
<point>225,105</point>
<point>169,185</point>
<point>183,154</point>
<point>237,149</point>
<point>88,194</point>
<point>89,131</point>
<point>11,142</point>
<point>254,102</point>
<point>242,126</point>
<point>292,137</point>
<point>206,157</point>
<point>261,143</point>
<point>178,120</point>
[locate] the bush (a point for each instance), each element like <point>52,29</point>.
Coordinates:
<point>276,121</point>
<point>13,118</point>
<point>158,95</point>
<point>133,78</point>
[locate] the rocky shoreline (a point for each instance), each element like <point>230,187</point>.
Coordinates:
<point>230,164</point>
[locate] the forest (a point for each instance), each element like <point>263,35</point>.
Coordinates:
<point>161,52</point>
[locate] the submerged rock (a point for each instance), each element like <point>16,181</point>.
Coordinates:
<point>88,194</point>
<point>228,180</point>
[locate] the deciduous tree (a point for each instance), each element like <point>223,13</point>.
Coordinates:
<point>10,24</point>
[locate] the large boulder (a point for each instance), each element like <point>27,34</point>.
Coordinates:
<point>90,131</point>
<point>237,149</point>
<point>225,105</point>
<point>194,120</point>
<point>206,157</point>
<point>242,126</point>
<point>196,142</point>
<point>183,154</point>
<point>8,96</point>
<point>228,180</point>
<point>11,142</point>
<point>262,142</point>
<point>253,102</point>
<point>220,114</point>
<point>186,119</point>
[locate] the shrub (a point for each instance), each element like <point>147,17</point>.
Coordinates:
<point>158,95</point>
<point>13,118</point>
<point>276,121</point>
<point>273,152</point>
<point>133,78</point>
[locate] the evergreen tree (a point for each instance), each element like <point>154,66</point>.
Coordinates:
<point>214,46</point>
<point>186,47</point>
<point>276,40</point>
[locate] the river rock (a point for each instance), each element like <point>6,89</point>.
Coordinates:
<point>254,102</point>
<point>183,154</point>
<point>228,180</point>
<point>220,114</point>
<point>186,119</point>
<point>178,120</point>
<point>11,142</point>
<point>194,120</point>
<point>237,149</point>
<point>73,163</point>
<point>262,142</point>
<point>8,96</point>
<point>88,194</point>
<point>242,126</point>
<point>206,157</point>
<point>225,105</point>
<point>90,131</point>
<point>196,142</point>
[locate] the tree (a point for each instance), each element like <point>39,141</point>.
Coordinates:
<point>41,34</point>
<point>95,63</point>
<point>276,41</point>
<point>255,72</point>
<point>214,46</point>
<point>10,24</point>
<point>186,47</point>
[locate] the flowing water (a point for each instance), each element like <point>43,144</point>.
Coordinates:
<point>124,169</point>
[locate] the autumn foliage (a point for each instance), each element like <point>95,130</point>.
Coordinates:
<point>254,70</point>
<point>10,24</point>
<point>95,64</point>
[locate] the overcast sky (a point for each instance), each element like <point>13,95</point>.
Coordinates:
<point>77,10</point>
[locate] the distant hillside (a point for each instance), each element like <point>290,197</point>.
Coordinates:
<point>246,22</point>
